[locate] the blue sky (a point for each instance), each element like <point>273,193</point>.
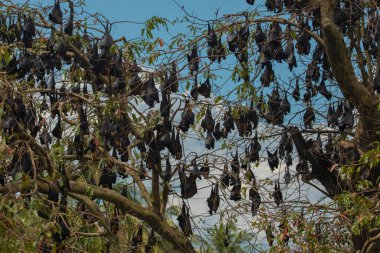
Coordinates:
<point>142,10</point>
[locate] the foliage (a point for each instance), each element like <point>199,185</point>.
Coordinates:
<point>108,144</point>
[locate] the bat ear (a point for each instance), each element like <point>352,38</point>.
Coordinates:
<point>275,153</point>
<point>269,153</point>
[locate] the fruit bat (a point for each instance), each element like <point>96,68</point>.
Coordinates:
<point>307,96</point>
<point>28,31</point>
<point>260,103</point>
<point>274,38</point>
<point>296,91</point>
<point>268,76</point>
<point>347,120</point>
<point>303,170</point>
<point>57,131</point>
<point>332,119</point>
<point>329,147</point>
<point>312,72</point>
<point>56,14</point>
<point>52,195</point>
<point>25,65</point>
<point>235,191</point>
<point>45,137</point>
<point>106,41</point>
<point>273,160</point>
<point>107,178</point>
<point>195,90</point>
<point>51,40</point>
<point>173,78</point>
<point>251,2</point>
<point>279,55</point>
<point>2,180</point>
<point>153,159</point>
<point>167,173</point>
<point>187,117</point>
<point>64,230</point>
<point>316,146</point>
<point>193,60</point>
<point>289,51</point>
<point>118,86</point>
<point>225,177</point>
<point>287,176</point>
<point>84,126</point>
<point>150,93</point>
<point>288,159</point>
<point>235,165</point>
<point>252,116</point>
<point>195,172</point>
<point>188,183</point>
<point>283,142</point>
<point>270,4</point>
<point>275,113</point>
<point>210,140</point>
<point>339,110</point>
<point>136,85</point>
<point>303,40</point>
<point>114,153</point>
<point>176,146</point>
<point>165,104</point>
<point>205,88</point>
<point>309,117</point>
<point>245,161</point>
<point>243,123</point>
<point>10,124</point>
<point>44,212</point>
<point>60,47</point>
<point>242,56</point>
<point>152,240</point>
<point>277,194</point>
<point>285,105</point>
<point>137,239</point>
<point>14,30</point>
<point>114,225</point>
<point>214,199</point>
<point>70,24</point>
<point>229,123</point>
<point>211,36</point>
<point>217,133</point>
<point>220,50</point>
<point>211,53</point>
<point>63,203</point>
<point>317,54</point>
<point>255,149</point>
<point>314,90</point>
<point>226,239</point>
<point>264,58</point>
<point>322,89</point>
<point>208,122</point>
<point>243,35</point>
<point>269,234</point>
<point>232,40</point>
<point>205,169</point>
<point>254,196</point>
<point>164,139</point>
<point>184,220</point>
